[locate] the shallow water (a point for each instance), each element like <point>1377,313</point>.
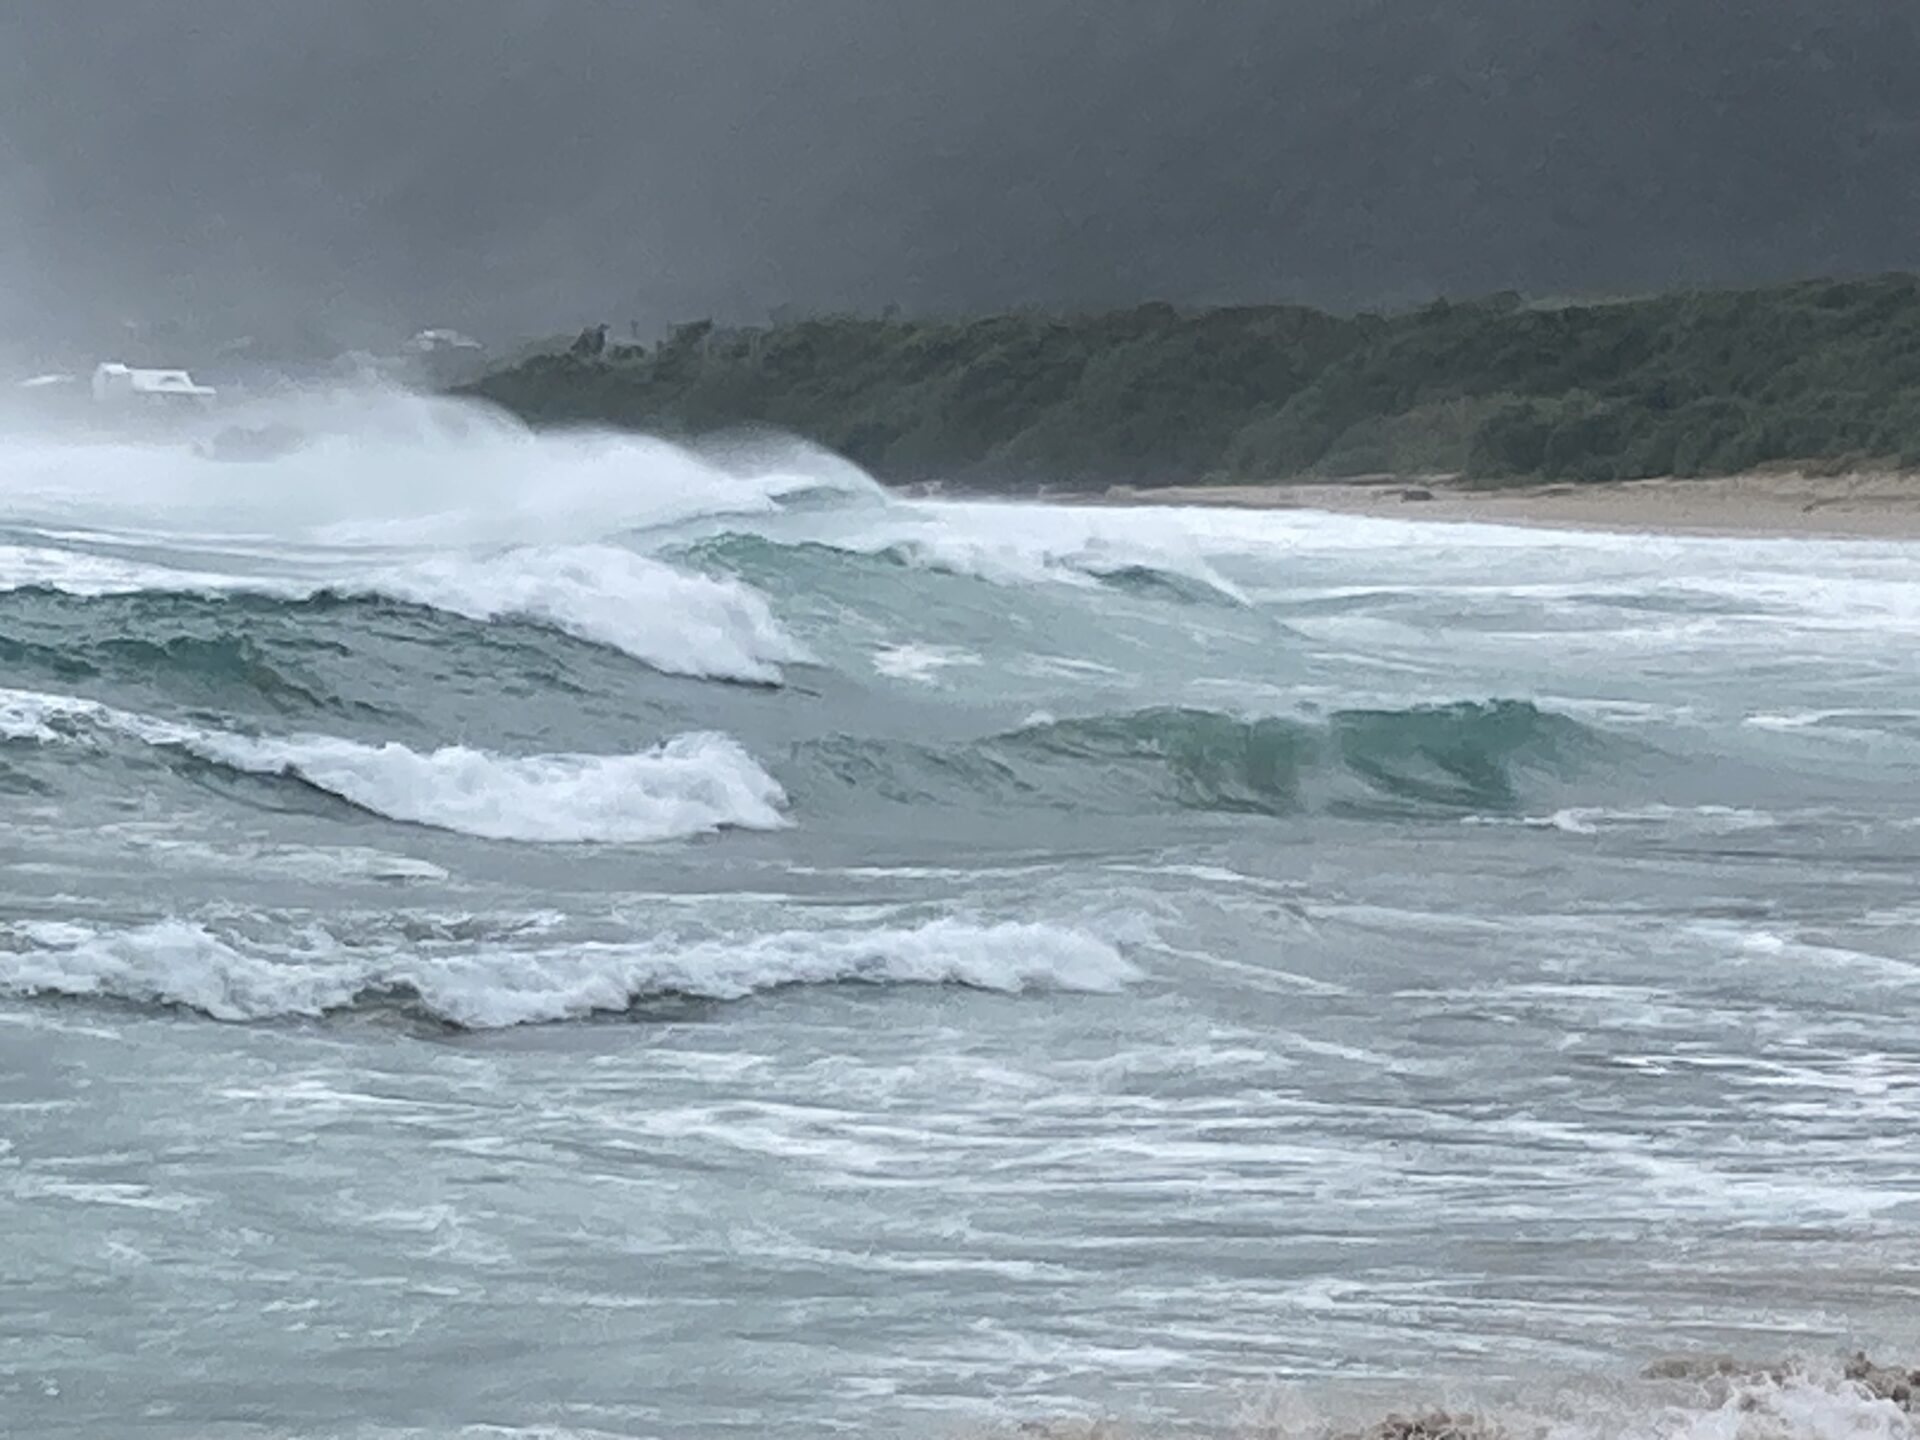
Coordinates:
<point>567,933</point>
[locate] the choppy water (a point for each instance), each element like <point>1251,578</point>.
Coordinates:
<point>512,932</point>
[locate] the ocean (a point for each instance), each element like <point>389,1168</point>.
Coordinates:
<point>567,935</point>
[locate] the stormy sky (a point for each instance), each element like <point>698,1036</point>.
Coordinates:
<point>516,167</point>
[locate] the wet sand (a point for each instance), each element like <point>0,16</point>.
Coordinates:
<point>1686,1396</point>
<point>1868,505</point>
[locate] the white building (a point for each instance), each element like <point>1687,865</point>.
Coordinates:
<point>431,342</point>
<point>114,383</point>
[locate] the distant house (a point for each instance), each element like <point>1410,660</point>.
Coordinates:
<point>429,342</point>
<point>114,383</point>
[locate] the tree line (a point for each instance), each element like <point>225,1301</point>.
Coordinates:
<point>1500,390</point>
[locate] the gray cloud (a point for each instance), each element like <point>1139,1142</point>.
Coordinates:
<point>516,166</point>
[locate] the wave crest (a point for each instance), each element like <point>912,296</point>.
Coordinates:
<point>690,785</point>
<point>674,621</point>
<point>1469,757</point>
<point>180,963</point>
<point>1008,560</point>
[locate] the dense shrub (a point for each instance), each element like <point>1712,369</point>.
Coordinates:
<point>1500,390</point>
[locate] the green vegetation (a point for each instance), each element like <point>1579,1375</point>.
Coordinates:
<point>1500,390</point>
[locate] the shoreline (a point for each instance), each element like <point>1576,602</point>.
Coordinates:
<point>1797,1398</point>
<point>1869,505</point>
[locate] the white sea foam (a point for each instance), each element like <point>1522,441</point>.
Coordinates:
<point>920,663</point>
<point>379,467</point>
<point>169,963</point>
<point>1027,545</point>
<point>1799,956</point>
<point>49,719</point>
<point>342,862</point>
<point>492,991</point>
<point>23,718</point>
<point>1842,725</point>
<point>78,572</point>
<point>680,623</point>
<point>1708,1398</point>
<point>1702,820</point>
<point>177,962</point>
<point>415,498</point>
<point>690,785</point>
<point>1798,1405</point>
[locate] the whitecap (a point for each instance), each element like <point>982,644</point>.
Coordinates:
<point>1702,820</point>
<point>82,573</point>
<point>183,963</point>
<point>674,621</point>
<point>689,785</point>
<point>1019,545</point>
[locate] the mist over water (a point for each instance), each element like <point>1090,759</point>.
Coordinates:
<point>569,934</point>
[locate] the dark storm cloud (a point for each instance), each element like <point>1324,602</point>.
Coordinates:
<point>520,165</point>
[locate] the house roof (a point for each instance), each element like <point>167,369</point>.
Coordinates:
<point>154,382</point>
<point>167,382</point>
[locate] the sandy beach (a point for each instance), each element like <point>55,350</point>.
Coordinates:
<point>1881,505</point>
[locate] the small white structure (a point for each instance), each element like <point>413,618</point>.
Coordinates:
<point>430,342</point>
<point>114,383</point>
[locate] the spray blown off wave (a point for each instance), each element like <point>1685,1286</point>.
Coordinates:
<point>383,469</point>
<point>445,505</point>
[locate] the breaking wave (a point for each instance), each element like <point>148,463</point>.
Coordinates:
<point>377,730</point>
<point>673,621</point>
<point>1470,757</point>
<point>376,467</point>
<point>690,785</point>
<point>1011,560</point>
<point>182,963</point>
<point>1503,758</point>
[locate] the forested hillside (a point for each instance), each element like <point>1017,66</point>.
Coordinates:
<point>1498,389</point>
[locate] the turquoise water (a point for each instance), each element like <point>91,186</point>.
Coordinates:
<point>571,936</point>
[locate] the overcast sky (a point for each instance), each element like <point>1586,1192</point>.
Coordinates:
<point>522,166</point>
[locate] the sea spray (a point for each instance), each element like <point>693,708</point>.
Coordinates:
<point>1119,1014</point>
